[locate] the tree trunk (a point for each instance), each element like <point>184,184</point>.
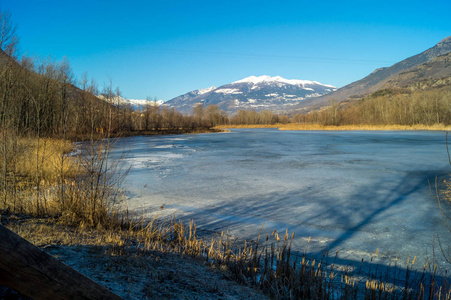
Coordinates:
<point>38,275</point>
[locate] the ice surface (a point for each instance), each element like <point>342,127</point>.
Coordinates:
<point>355,191</point>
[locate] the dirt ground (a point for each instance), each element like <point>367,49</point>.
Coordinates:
<point>154,276</point>
<point>127,272</point>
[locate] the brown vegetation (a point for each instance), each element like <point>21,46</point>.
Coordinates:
<point>428,107</point>
<point>293,126</point>
<point>266,263</point>
<point>298,126</point>
<point>402,109</point>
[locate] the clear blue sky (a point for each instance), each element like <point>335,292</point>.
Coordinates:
<point>166,48</point>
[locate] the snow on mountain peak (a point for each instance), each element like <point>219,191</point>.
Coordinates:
<point>204,91</point>
<point>266,78</point>
<point>133,102</point>
<point>254,79</point>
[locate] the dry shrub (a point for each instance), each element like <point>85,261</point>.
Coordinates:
<point>93,198</point>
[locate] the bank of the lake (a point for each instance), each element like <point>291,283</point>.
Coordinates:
<point>117,260</point>
<point>122,134</point>
<point>299,126</point>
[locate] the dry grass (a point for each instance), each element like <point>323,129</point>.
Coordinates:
<point>298,126</point>
<point>248,126</point>
<point>43,179</point>
<point>133,262</point>
<point>293,126</point>
<point>268,265</point>
<point>31,169</point>
<point>49,158</point>
<point>25,159</point>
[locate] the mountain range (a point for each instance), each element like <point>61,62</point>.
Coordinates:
<point>136,104</point>
<point>429,68</point>
<point>258,93</point>
<point>430,64</point>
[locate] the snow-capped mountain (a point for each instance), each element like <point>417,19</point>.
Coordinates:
<point>142,102</point>
<point>134,103</point>
<point>258,93</point>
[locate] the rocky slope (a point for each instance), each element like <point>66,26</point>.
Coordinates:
<point>431,74</point>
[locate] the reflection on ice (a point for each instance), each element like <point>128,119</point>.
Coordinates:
<point>353,191</point>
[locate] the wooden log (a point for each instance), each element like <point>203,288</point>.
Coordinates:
<point>34,273</point>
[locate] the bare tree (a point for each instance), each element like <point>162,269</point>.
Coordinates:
<point>8,38</point>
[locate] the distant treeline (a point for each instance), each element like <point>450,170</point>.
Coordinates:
<point>387,107</point>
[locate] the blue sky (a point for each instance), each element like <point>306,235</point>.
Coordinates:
<point>163,49</point>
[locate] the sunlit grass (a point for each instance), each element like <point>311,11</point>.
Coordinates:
<point>248,126</point>
<point>294,126</point>
<point>47,158</point>
<point>267,263</point>
<point>299,126</point>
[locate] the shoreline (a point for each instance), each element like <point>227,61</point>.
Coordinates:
<point>119,260</point>
<point>98,136</point>
<point>314,127</point>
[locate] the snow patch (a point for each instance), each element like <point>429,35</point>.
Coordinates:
<point>228,91</point>
<point>134,102</point>
<point>272,95</point>
<point>313,95</point>
<point>279,79</point>
<point>207,90</point>
<point>144,102</point>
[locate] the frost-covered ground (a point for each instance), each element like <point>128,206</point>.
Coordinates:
<point>354,191</point>
<point>123,268</point>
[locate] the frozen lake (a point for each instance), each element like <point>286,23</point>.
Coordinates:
<point>355,191</point>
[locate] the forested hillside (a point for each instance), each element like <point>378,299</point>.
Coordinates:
<point>40,96</point>
<point>376,80</point>
<point>388,107</point>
